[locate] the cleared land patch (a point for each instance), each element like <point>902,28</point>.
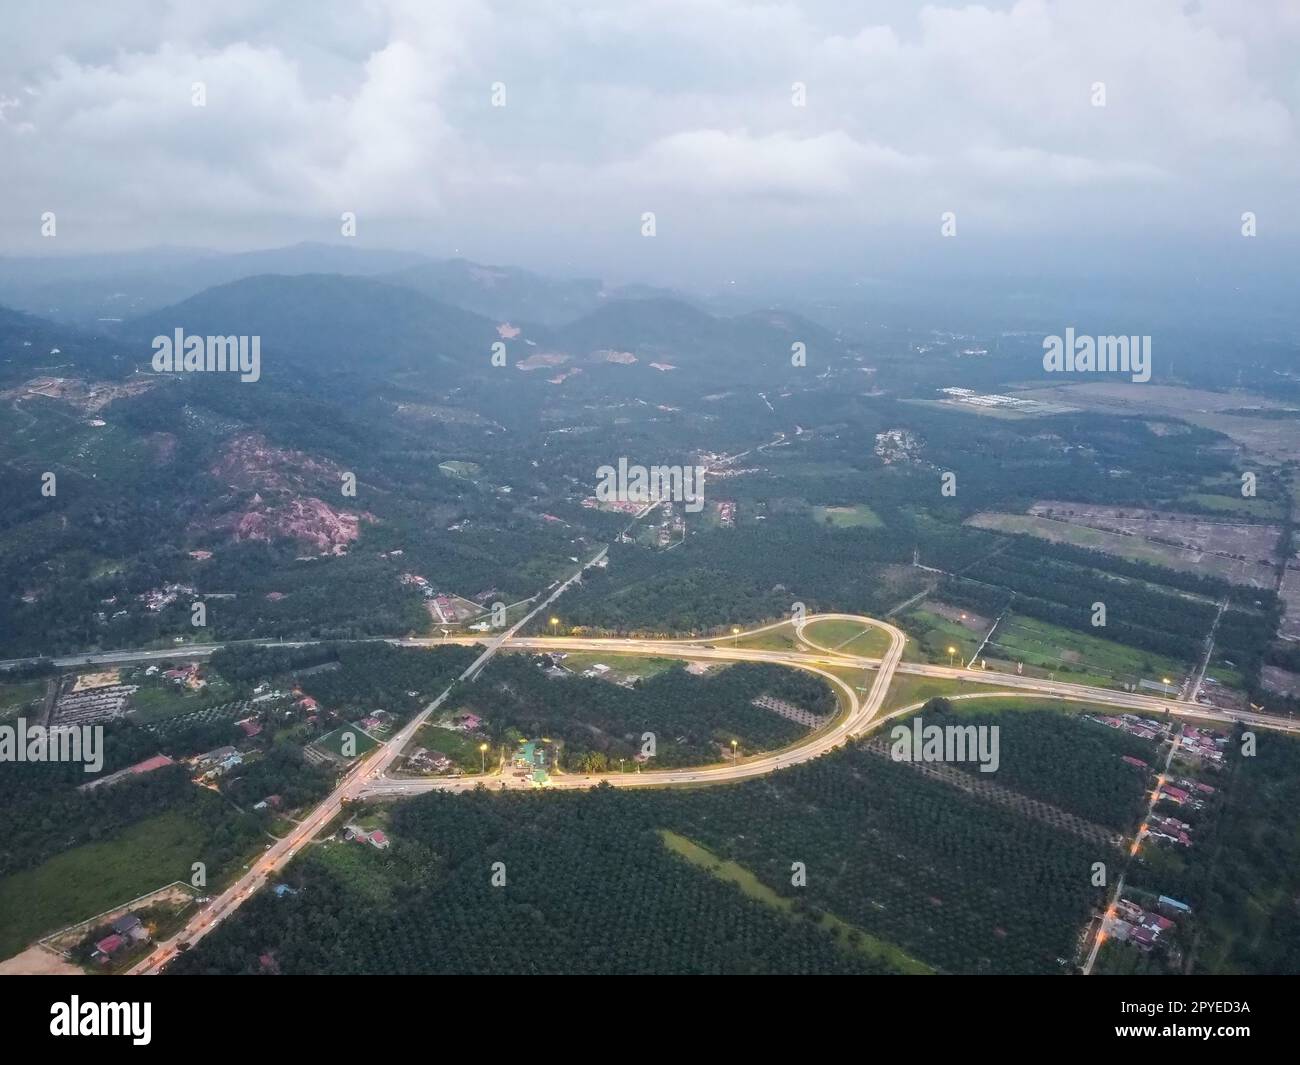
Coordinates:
<point>857,516</point>
<point>1248,571</point>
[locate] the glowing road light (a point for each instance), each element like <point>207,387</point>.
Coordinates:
<point>733,752</point>
<point>951,651</point>
<point>482,758</point>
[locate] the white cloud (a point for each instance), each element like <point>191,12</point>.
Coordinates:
<point>383,109</point>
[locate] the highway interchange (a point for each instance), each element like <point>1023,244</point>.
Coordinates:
<point>369,779</point>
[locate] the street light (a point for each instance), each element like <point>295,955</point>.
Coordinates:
<point>554,622</point>
<point>620,765</point>
<point>951,651</point>
<point>1167,683</point>
<point>735,635</point>
<point>733,752</point>
<point>482,758</point>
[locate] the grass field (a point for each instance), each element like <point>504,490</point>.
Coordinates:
<point>908,688</point>
<point>13,697</point>
<point>1076,656</point>
<point>87,880</point>
<point>998,704</point>
<point>750,885</point>
<point>778,639</point>
<point>152,704</point>
<point>333,741</point>
<point>933,634</point>
<point>857,516</point>
<point>459,747</point>
<point>627,665</point>
<point>848,637</point>
<point>1255,507</point>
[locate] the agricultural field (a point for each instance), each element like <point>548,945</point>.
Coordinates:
<point>1248,419</point>
<point>904,873</point>
<point>1249,572</point>
<point>1234,505</point>
<point>1073,764</point>
<point>1249,923</point>
<point>154,704</point>
<point>220,713</point>
<point>1248,541</point>
<point>751,886</point>
<point>590,888</point>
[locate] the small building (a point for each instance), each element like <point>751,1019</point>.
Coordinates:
<point>110,946</point>
<point>379,840</point>
<point>125,923</point>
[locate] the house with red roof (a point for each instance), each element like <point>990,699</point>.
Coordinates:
<point>108,947</point>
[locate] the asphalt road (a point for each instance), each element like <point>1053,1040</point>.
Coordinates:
<point>368,778</point>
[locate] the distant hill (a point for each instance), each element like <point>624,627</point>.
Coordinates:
<point>507,293</point>
<point>33,347</point>
<point>328,322</point>
<point>679,333</point>
<point>334,323</point>
<point>92,290</point>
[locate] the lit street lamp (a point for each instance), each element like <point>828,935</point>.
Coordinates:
<point>733,752</point>
<point>482,757</point>
<point>554,622</point>
<point>951,652</point>
<point>1167,683</point>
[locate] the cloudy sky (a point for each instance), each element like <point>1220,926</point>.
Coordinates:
<point>681,107</point>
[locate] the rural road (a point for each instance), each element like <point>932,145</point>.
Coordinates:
<point>368,778</point>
